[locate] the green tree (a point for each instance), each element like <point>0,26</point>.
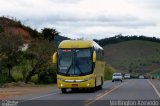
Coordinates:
<point>49,33</point>
<point>41,52</point>
<point>10,52</point>
<point>35,34</point>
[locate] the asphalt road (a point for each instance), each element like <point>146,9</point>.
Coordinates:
<point>132,90</point>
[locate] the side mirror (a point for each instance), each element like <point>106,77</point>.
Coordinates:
<point>55,58</point>
<point>94,57</point>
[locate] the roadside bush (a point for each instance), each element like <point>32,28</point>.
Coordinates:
<point>108,72</point>
<point>47,76</point>
<point>34,79</point>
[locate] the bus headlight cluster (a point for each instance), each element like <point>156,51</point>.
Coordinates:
<point>88,84</point>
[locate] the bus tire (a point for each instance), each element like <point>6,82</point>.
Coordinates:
<point>101,83</point>
<point>63,90</point>
<point>95,88</point>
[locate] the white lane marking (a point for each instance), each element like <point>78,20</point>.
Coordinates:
<point>43,96</point>
<point>155,89</point>
<point>116,87</point>
<point>39,97</point>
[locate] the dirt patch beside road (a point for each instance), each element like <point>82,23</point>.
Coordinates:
<point>13,91</point>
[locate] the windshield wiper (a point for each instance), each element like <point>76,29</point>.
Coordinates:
<point>68,69</point>
<point>79,69</point>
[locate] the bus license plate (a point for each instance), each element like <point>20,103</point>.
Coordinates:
<point>74,85</point>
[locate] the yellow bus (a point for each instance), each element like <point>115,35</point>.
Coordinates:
<point>80,64</point>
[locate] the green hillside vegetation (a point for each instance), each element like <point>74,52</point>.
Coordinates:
<point>120,38</point>
<point>135,56</point>
<point>31,64</point>
<point>108,72</point>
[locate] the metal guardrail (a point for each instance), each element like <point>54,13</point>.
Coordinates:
<point>156,75</point>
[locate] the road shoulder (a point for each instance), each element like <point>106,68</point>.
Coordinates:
<point>15,91</point>
<point>156,83</point>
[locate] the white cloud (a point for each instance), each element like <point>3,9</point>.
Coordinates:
<point>88,18</point>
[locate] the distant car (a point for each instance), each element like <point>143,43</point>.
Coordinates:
<point>117,77</point>
<point>127,76</point>
<point>141,77</point>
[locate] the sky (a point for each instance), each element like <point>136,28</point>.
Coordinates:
<point>88,19</point>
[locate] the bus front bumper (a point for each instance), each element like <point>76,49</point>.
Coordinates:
<point>74,84</point>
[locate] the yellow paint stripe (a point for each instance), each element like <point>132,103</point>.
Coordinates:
<point>99,94</point>
<point>116,87</point>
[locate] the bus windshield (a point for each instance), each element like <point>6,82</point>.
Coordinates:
<point>74,61</point>
<point>65,60</point>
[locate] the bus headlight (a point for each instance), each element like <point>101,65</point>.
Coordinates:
<point>88,84</point>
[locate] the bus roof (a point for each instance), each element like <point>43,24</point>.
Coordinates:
<point>79,44</point>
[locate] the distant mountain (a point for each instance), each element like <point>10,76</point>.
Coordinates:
<point>121,38</point>
<point>58,39</point>
<point>137,56</point>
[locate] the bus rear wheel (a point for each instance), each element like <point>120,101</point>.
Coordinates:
<point>95,88</point>
<point>100,87</point>
<point>63,90</point>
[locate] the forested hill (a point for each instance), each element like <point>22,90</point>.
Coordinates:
<point>136,56</point>
<point>120,38</point>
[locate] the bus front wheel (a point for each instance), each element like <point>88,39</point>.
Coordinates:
<point>63,90</point>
